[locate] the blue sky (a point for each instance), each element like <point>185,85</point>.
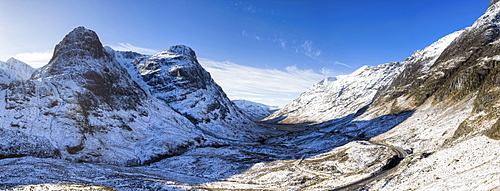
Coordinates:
<point>296,41</point>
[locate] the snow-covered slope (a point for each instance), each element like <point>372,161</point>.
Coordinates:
<point>337,97</point>
<point>175,77</point>
<point>14,70</point>
<point>83,106</point>
<point>256,111</point>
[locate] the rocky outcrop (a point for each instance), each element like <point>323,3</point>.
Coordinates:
<point>492,2</point>
<point>175,77</point>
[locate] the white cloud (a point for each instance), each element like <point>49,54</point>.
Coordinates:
<point>309,50</point>
<point>269,86</point>
<point>39,59</point>
<point>34,59</point>
<point>129,47</point>
<point>342,64</point>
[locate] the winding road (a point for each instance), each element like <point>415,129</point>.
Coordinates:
<point>389,167</point>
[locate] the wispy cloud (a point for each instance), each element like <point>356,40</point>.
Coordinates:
<point>34,59</point>
<point>281,42</point>
<point>129,47</point>
<point>251,35</point>
<point>342,64</point>
<point>327,72</point>
<point>309,50</point>
<point>268,86</point>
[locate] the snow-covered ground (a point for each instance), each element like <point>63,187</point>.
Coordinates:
<point>256,111</point>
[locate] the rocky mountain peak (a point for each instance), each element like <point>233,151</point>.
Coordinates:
<point>178,51</point>
<point>12,60</point>
<point>176,77</point>
<point>15,64</point>
<point>492,2</point>
<point>79,52</point>
<point>80,42</point>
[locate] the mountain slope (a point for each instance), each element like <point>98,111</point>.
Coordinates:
<point>334,98</point>
<point>331,99</point>
<point>175,77</point>
<point>467,69</point>
<point>83,106</point>
<point>256,111</point>
<point>13,70</point>
<point>441,105</point>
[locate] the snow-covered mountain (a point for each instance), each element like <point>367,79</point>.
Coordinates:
<point>175,77</point>
<point>84,106</point>
<point>337,97</point>
<point>13,70</point>
<point>256,111</point>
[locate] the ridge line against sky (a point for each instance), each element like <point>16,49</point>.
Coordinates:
<point>319,38</point>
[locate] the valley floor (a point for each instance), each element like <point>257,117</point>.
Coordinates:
<point>295,157</point>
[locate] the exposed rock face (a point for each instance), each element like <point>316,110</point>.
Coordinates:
<point>175,77</point>
<point>83,106</point>
<point>492,2</point>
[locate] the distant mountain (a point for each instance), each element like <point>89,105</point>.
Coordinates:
<point>256,111</point>
<point>13,70</point>
<point>337,97</point>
